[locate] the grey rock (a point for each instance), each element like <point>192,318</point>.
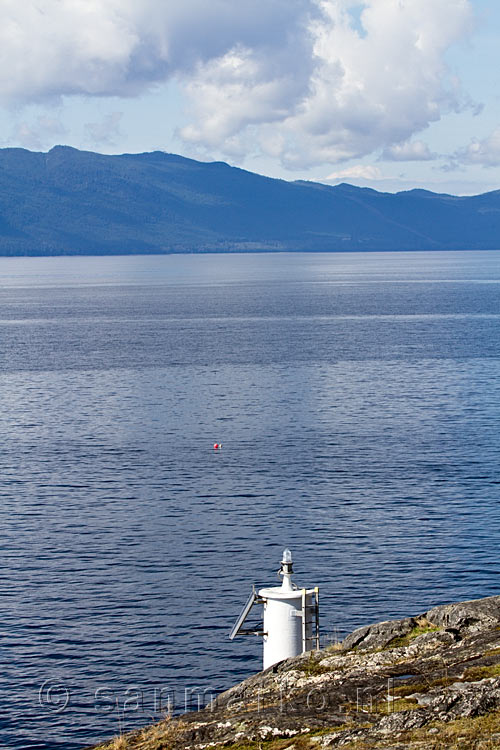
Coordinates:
<point>471,616</point>
<point>378,635</point>
<point>473,700</point>
<point>423,699</point>
<point>428,643</point>
<point>402,721</point>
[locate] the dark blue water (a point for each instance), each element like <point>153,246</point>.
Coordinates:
<point>357,398</point>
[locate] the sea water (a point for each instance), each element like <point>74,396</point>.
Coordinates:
<point>357,399</point>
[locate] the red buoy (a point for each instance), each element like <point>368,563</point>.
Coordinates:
<point>217,446</point>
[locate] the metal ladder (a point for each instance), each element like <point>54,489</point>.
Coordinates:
<point>314,622</point>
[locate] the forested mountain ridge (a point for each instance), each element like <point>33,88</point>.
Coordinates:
<point>70,202</point>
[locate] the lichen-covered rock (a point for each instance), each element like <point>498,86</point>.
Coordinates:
<point>465,700</point>
<point>429,642</point>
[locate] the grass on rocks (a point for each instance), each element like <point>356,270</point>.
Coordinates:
<point>166,735</point>
<point>423,626</point>
<point>474,674</point>
<point>311,667</point>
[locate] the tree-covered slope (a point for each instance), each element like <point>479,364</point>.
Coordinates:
<point>74,202</point>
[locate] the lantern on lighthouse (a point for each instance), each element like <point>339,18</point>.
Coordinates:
<point>291,617</point>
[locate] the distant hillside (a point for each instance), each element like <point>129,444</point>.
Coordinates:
<point>70,202</point>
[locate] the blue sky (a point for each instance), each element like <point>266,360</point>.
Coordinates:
<point>392,94</point>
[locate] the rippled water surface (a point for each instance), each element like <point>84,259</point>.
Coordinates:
<point>357,398</point>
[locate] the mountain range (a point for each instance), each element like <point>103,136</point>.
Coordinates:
<point>71,202</point>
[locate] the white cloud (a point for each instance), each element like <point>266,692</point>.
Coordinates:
<point>305,81</point>
<point>240,89</point>
<point>358,172</point>
<point>369,88</point>
<point>120,47</point>
<point>408,151</point>
<point>485,152</point>
<point>38,134</point>
<point>105,131</point>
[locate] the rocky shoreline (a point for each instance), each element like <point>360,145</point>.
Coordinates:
<point>427,682</point>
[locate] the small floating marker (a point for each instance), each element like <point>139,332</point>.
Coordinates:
<point>217,446</point>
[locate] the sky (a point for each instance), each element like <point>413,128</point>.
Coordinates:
<point>389,94</point>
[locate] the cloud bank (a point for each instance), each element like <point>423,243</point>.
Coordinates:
<point>122,47</point>
<point>357,172</point>
<point>485,152</point>
<point>414,151</point>
<point>305,81</point>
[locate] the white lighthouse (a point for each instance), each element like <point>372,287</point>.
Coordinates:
<point>291,617</point>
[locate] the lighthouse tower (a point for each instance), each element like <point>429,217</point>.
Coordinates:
<point>291,617</point>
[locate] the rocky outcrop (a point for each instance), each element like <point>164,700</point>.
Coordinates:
<point>464,617</point>
<point>379,635</point>
<point>427,682</point>
<point>476,615</point>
